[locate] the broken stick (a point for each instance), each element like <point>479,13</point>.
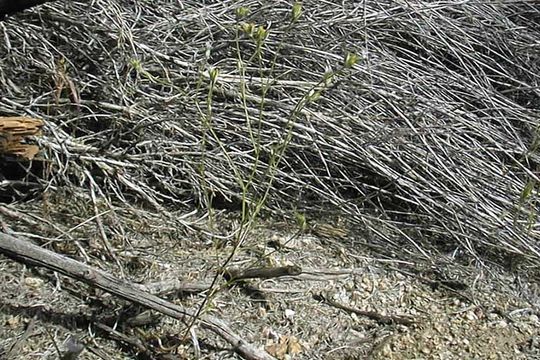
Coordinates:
<point>26,252</point>
<point>262,273</point>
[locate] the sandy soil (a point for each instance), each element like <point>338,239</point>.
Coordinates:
<point>348,302</point>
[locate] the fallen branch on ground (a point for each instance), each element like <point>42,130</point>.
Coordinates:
<point>262,273</point>
<point>28,253</point>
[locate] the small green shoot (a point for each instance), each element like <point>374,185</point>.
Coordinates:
<point>241,12</point>
<point>350,60</point>
<point>296,12</point>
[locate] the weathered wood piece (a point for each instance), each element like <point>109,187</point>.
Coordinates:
<point>29,253</point>
<point>262,273</point>
<point>13,130</point>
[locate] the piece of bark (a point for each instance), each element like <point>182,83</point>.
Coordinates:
<point>26,252</point>
<point>262,273</point>
<point>19,126</point>
<point>13,131</point>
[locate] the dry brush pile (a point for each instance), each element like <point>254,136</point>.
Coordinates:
<point>427,141</point>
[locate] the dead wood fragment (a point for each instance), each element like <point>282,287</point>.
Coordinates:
<point>262,273</point>
<point>381,319</point>
<point>28,253</point>
<point>19,126</point>
<point>13,131</point>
